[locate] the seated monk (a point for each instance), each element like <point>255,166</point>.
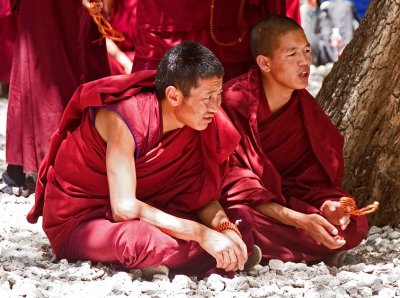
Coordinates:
<point>133,176</point>
<point>288,167</point>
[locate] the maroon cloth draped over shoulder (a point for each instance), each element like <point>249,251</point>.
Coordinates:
<point>8,32</point>
<point>162,24</point>
<point>182,172</point>
<point>54,53</point>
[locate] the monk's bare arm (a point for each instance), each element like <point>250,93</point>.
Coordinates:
<point>125,206</point>
<point>314,224</point>
<point>121,174</point>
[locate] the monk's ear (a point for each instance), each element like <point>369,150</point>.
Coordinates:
<point>263,63</point>
<point>173,95</point>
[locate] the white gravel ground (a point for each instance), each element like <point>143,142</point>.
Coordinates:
<point>28,267</point>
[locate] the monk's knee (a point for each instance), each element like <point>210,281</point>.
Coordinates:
<point>241,214</point>
<point>356,231</point>
<point>134,243</point>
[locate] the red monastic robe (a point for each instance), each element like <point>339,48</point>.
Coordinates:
<point>293,157</point>
<point>179,174</point>
<point>8,31</point>
<point>162,24</point>
<point>54,53</point>
<point>293,10</point>
<point>123,19</point>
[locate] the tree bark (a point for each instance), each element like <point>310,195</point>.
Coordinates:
<point>362,96</point>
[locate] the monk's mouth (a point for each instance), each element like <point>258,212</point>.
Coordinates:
<point>304,74</point>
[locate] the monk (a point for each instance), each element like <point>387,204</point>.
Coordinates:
<point>223,26</point>
<point>8,31</point>
<point>289,166</point>
<point>133,176</point>
<point>122,17</point>
<point>54,53</point>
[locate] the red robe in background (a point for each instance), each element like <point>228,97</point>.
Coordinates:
<point>162,24</point>
<point>123,19</point>
<point>179,173</point>
<point>54,53</point>
<point>293,10</point>
<point>8,32</point>
<point>294,158</point>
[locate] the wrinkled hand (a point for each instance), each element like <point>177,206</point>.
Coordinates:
<point>228,254</point>
<point>322,231</point>
<point>242,257</point>
<point>332,211</point>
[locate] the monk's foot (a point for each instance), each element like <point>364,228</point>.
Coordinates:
<point>336,260</point>
<point>253,259</point>
<point>11,188</point>
<point>149,272</point>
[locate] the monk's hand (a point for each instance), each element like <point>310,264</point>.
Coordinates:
<point>322,231</point>
<point>242,252</point>
<point>332,211</point>
<point>222,248</point>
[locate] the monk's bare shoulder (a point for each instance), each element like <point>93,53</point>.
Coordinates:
<point>111,126</point>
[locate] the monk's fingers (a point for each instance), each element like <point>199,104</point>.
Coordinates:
<point>330,228</point>
<point>344,223</point>
<point>240,256</point>
<point>233,261</point>
<point>333,206</point>
<point>220,260</point>
<point>226,260</point>
<point>331,242</point>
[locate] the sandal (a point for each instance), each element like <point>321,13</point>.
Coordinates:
<point>8,186</point>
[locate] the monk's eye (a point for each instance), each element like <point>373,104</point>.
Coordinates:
<point>292,54</point>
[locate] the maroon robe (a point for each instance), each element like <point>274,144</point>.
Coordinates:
<point>123,19</point>
<point>8,31</point>
<point>293,158</point>
<point>293,10</point>
<point>179,174</point>
<point>54,53</point>
<point>162,24</point>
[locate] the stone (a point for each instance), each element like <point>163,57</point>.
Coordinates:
<point>215,282</point>
<point>277,265</point>
<point>374,230</point>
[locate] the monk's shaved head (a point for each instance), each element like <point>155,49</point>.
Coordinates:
<point>184,65</point>
<point>264,38</point>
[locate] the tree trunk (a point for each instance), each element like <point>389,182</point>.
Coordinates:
<point>362,97</point>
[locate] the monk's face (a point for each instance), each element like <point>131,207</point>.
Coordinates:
<point>199,108</point>
<point>289,67</point>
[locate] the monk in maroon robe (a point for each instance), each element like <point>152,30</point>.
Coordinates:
<point>122,17</point>
<point>133,177</point>
<point>8,31</point>
<point>161,24</point>
<point>289,166</point>
<point>54,53</point>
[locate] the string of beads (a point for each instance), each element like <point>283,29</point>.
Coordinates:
<point>228,226</point>
<point>239,21</point>
<point>349,207</point>
<point>105,28</point>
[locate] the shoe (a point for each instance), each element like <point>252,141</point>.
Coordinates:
<point>8,186</point>
<point>149,272</point>
<point>253,259</point>
<point>337,259</point>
